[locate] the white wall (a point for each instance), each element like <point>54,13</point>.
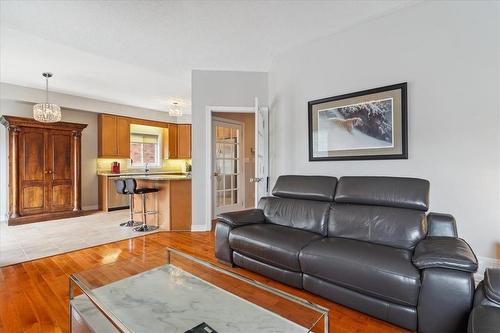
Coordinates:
<point>448,53</point>
<point>18,101</point>
<point>216,88</point>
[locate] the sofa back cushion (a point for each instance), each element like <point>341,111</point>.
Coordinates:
<point>319,188</point>
<point>412,193</point>
<point>382,210</point>
<point>308,215</point>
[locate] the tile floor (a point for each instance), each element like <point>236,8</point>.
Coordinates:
<point>37,240</point>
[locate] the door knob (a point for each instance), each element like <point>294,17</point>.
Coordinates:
<point>255,180</point>
<point>216,174</point>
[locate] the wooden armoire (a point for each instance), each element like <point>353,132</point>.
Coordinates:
<point>44,170</point>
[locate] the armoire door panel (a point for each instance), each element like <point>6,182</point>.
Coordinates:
<point>61,159</point>
<point>60,184</point>
<point>32,171</point>
<point>32,147</point>
<point>33,198</point>
<point>61,197</point>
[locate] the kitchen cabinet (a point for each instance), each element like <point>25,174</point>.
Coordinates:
<point>177,141</point>
<point>172,141</point>
<point>108,198</point>
<point>172,201</point>
<point>180,205</point>
<point>113,136</point>
<point>44,170</point>
<point>184,141</point>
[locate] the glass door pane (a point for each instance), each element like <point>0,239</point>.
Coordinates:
<point>226,166</point>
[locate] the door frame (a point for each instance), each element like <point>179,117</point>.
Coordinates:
<point>208,154</point>
<point>241,179</point>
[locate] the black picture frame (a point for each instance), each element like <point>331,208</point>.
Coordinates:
<point>404,124</point>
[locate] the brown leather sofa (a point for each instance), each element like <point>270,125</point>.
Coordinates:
<point>364,242</point>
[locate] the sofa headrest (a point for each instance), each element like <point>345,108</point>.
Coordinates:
<point>319,188</point>
<point>412,193</point>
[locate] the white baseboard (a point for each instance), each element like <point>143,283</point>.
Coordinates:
<point>198,228</point>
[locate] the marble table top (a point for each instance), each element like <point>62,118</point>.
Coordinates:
<point>168,299</point>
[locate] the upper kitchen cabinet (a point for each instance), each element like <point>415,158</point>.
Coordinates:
<point>113,136</point>
<point>172,141</point>
<point>177,141</point>
<point>184,141</point>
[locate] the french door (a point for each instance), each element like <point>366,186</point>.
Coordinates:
<point>262,152</point>
<point>228,192</point>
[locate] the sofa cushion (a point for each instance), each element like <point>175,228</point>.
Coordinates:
<point>273,244</point>
<point>397,227</point>
<point>376,270</point>
<point>307,215</point>
<point>412,193</point>
<point>319,188</point>
<point>484,319</point>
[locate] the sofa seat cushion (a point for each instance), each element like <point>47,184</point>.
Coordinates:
<point>272,244</point>
<point>372,269</point>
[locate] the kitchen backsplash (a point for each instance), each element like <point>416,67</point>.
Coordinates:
<point>104,165</point>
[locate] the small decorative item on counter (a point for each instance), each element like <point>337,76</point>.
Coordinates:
<point>188,167</point>
<point>115,167</point>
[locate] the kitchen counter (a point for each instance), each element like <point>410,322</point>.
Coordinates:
<point>172,201</point>
<point>153,177</point>
<point>139,173</point>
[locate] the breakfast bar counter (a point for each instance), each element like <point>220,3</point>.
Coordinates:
<point>172,202</point>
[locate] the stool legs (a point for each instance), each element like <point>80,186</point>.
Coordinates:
<point>144,227</point>
<point>130,222</point>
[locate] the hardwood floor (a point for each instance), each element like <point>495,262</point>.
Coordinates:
<point>34,294</point>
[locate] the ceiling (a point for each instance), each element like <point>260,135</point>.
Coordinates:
<point>141,53</point>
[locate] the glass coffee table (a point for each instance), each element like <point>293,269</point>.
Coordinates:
<point>171,291</point>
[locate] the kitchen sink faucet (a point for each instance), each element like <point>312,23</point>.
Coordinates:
<point>146,169</point>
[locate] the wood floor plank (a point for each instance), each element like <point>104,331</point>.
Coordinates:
<point>34,295</point>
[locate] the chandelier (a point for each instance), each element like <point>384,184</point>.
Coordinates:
<point>46,112</point>
<point>175,110</point>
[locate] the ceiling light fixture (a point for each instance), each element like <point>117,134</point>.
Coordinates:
<point>46,112</point>
<point>175,110</point>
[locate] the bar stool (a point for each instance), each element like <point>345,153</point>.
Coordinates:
<point>131,185</point>
<point>121,188</point>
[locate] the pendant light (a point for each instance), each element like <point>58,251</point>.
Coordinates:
<point>175,110</point>
<point>46,112</point>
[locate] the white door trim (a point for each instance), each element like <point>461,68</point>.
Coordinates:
<point>208,154</point>
<point>241,178</point>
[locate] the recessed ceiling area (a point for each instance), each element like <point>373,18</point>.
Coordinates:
<point>141,53</point>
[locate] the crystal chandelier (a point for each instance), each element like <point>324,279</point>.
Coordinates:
<point>46,112</point>
<point>175,110</point>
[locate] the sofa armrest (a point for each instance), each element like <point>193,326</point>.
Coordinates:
<point>241,218</point>
<point>441,225</point>
<point>445,252</point>
<point>492,285</point>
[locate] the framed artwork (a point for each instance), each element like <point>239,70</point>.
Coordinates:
<point>365,125</point>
